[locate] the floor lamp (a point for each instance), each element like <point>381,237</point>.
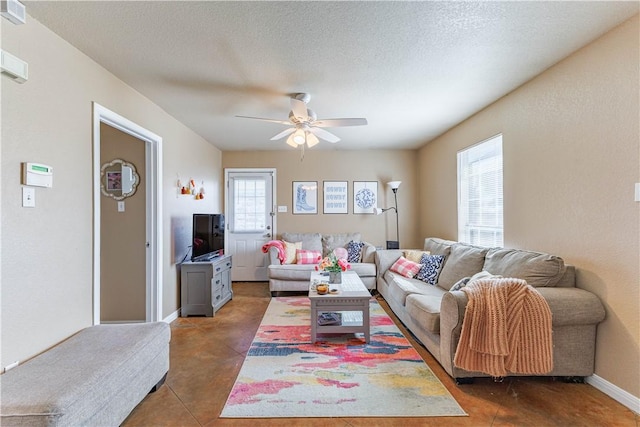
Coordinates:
<point>392,244</point>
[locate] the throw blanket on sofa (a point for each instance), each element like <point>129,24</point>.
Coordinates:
<point>279,246</point>
<point>506,328</point>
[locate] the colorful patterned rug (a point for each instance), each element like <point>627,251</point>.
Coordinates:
<point>284,375</point>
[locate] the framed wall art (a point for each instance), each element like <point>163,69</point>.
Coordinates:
<point>335,197</point>
<point>365,196</point>
<point>305,197</point>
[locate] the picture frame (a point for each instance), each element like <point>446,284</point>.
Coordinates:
<point>114,181</point>
<point>365,196</point>
<point>305,197</point>
<point>335,197</point>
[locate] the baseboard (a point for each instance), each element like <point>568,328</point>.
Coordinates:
<point>613,391</point>
<point>120,322</point>
<point>173,316</point>
<point>170,318</point>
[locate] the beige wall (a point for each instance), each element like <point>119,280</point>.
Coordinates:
<point>47,292</point>
<point>123,235</point>
<point>333,165</point>
<point>571,158</point>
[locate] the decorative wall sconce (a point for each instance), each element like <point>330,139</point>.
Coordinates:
<point>190,189</point>
<point>392,244</point>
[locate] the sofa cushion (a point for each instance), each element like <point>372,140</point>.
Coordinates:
<point>400,287</point>
<point>430,270</point>
<point>538,269</point>
<point>463,261</point>
<point>405,268</point>
<point>307,257</point>
<point>424,310</point>
<point>354,251</point>
<point>415,255</point>
<point>332,241</point>
<point>291,271</point>
<point>341,253</point>
<point>310,241</point>
<point>438,246</point>
<point>290,249</point>
<point>364,269</point>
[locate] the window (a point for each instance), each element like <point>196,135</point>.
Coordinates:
<point>249,205</point>
<point>480,194</point>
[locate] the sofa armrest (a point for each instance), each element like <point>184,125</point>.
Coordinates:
<point>273,256</point>
<point>385,258</point>
<point>368,253</point>
<point>573,306</point>
<point>569,306</point>
<point>452,310</point>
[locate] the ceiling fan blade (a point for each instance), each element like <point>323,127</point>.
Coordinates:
<point>330,123</point>
<point>323,134</point>
<point>299,109</point>
<point>282,122</point>
<point>283,133</point>
<point>312,140</point>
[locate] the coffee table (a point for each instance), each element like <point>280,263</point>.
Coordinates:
<point>351,301</point>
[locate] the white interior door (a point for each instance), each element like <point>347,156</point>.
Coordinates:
<point>250,221</point>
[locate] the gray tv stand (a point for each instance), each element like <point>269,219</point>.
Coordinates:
<point>205,286</point>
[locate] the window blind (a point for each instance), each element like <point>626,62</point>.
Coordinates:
<point>480,199</point>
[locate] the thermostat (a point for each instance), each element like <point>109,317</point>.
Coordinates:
<point>37,175</point>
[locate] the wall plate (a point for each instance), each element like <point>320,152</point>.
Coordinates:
<point>28,197</point>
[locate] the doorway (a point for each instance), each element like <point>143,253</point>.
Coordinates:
<point>122,223</point>
<point>153,208</point>
<point>250,221</point>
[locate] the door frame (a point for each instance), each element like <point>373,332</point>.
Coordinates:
<point>153,159</point>
<point>274,185</point>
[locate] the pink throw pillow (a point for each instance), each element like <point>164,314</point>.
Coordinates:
<point>341,253</point>
<point>307,257</point>
<point>406,268</point>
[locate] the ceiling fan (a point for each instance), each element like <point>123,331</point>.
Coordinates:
<point>306,128</point>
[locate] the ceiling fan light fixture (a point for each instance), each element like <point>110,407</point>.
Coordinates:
<point>299,137</point>
<point>312,139</point>
<point>291,142</point>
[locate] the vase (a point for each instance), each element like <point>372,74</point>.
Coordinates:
<point>335,277</point>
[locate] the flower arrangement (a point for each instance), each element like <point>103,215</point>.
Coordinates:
<point>332,263</point>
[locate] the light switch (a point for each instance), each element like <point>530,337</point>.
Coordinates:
<point>28,197</point>
<point>121,206</point>
<point>282,208</point>
<point>637,191</point>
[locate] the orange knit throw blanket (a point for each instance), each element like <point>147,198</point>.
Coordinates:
<point>506,328</point>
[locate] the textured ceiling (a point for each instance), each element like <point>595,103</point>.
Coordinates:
<point>413,69</point>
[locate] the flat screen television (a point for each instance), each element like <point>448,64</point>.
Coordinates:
<point>208,236</point>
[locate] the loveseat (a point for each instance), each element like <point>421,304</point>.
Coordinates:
<point>293,276</point>
<point>434,313</point>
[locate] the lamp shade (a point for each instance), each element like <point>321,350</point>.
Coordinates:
<point>378,211</point>
<point>394,184</point>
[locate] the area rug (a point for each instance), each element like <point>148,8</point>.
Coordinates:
<point>284,375</point>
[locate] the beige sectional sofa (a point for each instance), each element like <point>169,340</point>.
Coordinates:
<point>296,277</point>
<point>434,314</point>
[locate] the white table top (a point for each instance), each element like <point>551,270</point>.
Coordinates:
<point>351,285</point>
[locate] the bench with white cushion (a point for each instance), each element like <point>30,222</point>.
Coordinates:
<point>94,378</point>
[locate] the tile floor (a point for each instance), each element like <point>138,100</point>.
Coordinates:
<point>207,353</point>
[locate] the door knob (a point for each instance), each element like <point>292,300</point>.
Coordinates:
<point>267,235</point>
